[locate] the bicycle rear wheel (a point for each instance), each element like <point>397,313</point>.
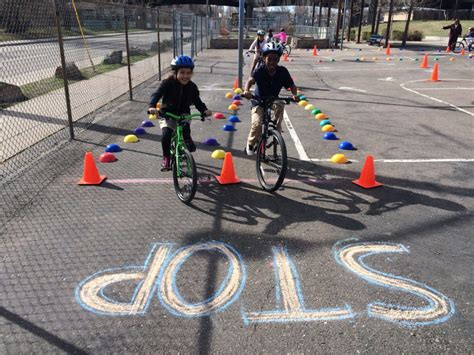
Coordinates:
<point>272,161</point>
<point>287,49</point>
<point>184,176</point>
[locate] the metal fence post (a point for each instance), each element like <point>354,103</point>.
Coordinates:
<point>174,34</point>
<point>125,17</point>
<point>63,65</point>
<point>159,45</point>
<point>192,37</point>
<point>201,31</point>
<point>181,36</point>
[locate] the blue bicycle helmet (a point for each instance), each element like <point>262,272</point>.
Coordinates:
<point>182,61</point>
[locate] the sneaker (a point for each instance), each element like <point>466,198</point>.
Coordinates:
<point>166,164</point>
<point>190,144</point>
<point>249,150</point>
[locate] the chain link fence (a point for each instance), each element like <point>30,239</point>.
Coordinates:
<point>64,60</point>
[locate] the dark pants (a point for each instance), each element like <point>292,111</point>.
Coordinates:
<point>167,134</point>
<point>452,42</point>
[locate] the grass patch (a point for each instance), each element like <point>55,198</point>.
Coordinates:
<point>44,86</point>
<point>428,28</point>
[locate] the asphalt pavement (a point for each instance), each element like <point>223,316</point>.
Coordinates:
<point>321,266</point>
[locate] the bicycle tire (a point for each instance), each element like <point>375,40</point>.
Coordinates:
<point>287,49</point>
<point>185,157</point>
<point>275,138</point>
<point>458,46</point>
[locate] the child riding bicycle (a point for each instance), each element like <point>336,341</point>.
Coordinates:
<point>256,47</point>
<point>270,78</point>
<point>177,92</point>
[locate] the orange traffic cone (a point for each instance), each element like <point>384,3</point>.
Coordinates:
<point>434,74</point>
<point>367,175</point>
<point>448,50</point>
<point>424,64</point>
<point>387,51</point>
<point>91,175</point>
<point>228,173</point>
<point>315,51</point>
<point>462,51</point>
<point>236,84</point>
<point>285,57</point>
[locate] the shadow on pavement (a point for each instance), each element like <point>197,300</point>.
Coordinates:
<point>40,332</point>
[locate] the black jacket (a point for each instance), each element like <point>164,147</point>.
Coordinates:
<point>177,97</point>
<point>454,32</point>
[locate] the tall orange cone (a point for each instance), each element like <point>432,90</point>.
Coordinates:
<point>91,175</point>
<point>228,173</point>
<point>367,175</point>
<point>387,51</point>
<point>236,84</point>
<point>463,52</point>
<point>315,51</point>
<point>424,64</point>
<point>434,74</point>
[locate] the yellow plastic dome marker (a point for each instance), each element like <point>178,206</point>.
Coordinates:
<point>131,138</point>
<point>328,128</point>
<point>339,159</point>
<point>218,154</point>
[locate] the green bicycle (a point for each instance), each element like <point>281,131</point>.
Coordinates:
<point>182,161</point>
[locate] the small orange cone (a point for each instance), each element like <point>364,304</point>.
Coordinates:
<point>424,64</point>
<point>228,173</point>
<point>434,74</point>
<point>463,52</point>
<point>387,51</point>
<point>236,84</point>
<point>91,175</point>
<point>315,51</point>
<point>367,175</point>
<point>285,57</point>
<point>448,50</point>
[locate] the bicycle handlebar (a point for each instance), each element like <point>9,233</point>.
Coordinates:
<point>273,98</point>
<point>185,117</point>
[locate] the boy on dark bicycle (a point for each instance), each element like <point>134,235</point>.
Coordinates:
<point>270,79</point>
<point>178,93</point>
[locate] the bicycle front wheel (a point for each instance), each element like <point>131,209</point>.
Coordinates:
<point>287,49</point>
<point>184,176</point>
<point>272,161</point>
<point>458,47</point>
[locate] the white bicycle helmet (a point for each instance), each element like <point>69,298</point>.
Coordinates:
<point>260,33</point>
<point>272,47</point>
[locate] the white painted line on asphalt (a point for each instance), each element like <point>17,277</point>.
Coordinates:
<point>294,136</point>
<point>389,78</point>
<point>454,160</point>
<point>435,89</point>
<point>435,99</point>
<point>346,88</point>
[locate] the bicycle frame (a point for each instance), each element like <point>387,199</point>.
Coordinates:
<point>178,137</point>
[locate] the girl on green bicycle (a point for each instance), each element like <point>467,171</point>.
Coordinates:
<point>178,93</point>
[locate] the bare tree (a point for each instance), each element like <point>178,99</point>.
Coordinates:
<point>409,6</point>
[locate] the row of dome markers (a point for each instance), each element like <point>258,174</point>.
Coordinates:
<point>328,129</point>
<point>109,157</point>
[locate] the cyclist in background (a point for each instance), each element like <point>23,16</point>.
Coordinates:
<point>178,93</point>
<point>270,78</point>
<point>256,47</point>
<point>269,35</point>
<point>281,36</point>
